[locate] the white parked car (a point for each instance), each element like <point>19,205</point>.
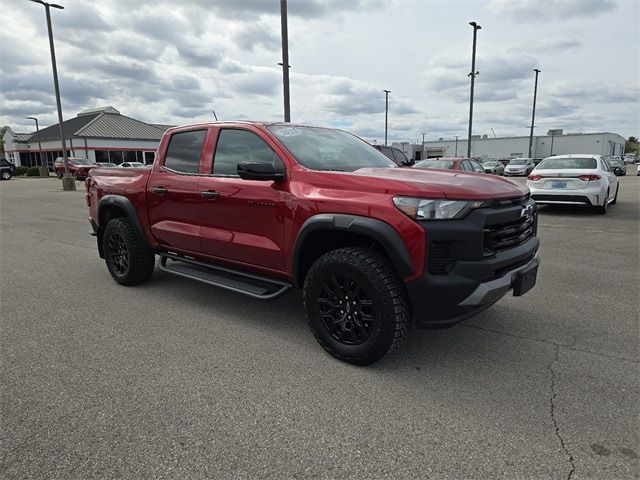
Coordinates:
<point>519,166</point>
<point>638,172</point>
<point>574,179</point>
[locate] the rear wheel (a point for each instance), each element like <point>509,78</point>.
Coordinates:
<point>59,174</point>
<point>6,175</point>
<point>602,209</point>
<point>128,260</point>
<point>356,305</point>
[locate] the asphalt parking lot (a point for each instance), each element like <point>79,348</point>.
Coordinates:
<point>174,379</point>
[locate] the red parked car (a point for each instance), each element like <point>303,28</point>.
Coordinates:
<point>78,167</point>
<point>450,163</point>
<point>260,208</point>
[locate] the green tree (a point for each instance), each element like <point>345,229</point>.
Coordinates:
<point>632,145</point>
<point>2,130</point>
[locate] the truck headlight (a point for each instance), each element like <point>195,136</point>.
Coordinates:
<point>426,209</point>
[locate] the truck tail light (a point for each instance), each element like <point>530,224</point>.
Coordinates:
<point>589,178</point>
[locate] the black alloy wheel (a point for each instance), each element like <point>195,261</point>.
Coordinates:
<point>128,260</point>
<point>356,304</point>
<point>118,253</point>
<point>346,310</point>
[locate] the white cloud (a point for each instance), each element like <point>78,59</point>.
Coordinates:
<point>536,11</point>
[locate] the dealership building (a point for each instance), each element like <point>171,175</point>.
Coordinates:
<point>556,142</point>
<point>99,135</point>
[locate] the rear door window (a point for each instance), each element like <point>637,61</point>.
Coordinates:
<point>183,153</point>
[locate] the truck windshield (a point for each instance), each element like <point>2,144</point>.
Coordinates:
<point>328,149</point>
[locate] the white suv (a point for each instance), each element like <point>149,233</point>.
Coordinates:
<point>574,179</point>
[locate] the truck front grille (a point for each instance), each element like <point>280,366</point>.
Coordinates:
<point>510,234</point>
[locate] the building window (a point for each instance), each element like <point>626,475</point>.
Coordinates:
<point>149,157</point>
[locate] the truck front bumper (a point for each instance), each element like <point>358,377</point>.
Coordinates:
<point>468,268</point>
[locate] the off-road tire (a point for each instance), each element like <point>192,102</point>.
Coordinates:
<point>377,281</point>
<point>140,261</point>
<point>602,209</point>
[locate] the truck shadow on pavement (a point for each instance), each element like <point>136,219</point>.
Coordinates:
<point>284,320</point>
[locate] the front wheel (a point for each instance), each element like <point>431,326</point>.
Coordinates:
<point>6,175</point>
<point>356,305</point>
<point>129,262</point>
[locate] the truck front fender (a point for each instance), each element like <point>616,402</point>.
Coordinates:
<point>382,233</point>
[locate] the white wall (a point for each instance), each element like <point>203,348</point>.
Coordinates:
<point>510,147</point>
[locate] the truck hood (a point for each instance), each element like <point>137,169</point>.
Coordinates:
<point>453,184</point>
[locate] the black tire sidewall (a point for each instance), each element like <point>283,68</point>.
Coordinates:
<point>115,226</point>
<point>380,339</point>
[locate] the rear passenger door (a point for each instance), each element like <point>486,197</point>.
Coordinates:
<point>172,193</point>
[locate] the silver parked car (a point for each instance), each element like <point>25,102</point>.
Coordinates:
<point>519,166</point>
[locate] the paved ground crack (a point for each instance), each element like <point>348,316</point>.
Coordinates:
<point>552,405</point>
<point>550,342</point>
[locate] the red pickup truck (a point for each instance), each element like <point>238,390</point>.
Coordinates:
<point>259,208</point>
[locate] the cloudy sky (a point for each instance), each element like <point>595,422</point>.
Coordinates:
<point>174,61</point>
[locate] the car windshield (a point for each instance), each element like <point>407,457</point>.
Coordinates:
<point>328,149</point>
<point>442,164</point>
<point>567,163</point>
<point>80,161</point>
<point>518,161</point>
<point>490,163</point>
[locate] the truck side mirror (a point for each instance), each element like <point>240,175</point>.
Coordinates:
<point>259,171</point>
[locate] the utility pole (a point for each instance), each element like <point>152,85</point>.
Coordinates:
<point>285,60</point>
<point>44,168</point>
<point>456,145</point>
<point>533,113</point>
<point>473,74</point>
<point>68,182</point>
<point>386,113</point>
<point>423,134</point>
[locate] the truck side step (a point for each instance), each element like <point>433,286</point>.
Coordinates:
<point>250,284</point>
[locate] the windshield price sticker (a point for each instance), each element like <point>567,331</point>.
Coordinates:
<point>289,132</point>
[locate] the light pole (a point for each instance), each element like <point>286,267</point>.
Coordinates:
<point>456,145</point>
<point>68,182</point>
<point>423,134</point>
<point>386,113</point>
<point>44,168</point>
<point>473,74</point>
<point>533,113</point>
<point>285,59</point>
<point>553,135</point>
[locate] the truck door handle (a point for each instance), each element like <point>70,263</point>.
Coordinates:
<point>160,190</point>
<point>210,194</point>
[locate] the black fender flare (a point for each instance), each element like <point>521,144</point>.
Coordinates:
<point>383,233</point>
<point>125,205</point>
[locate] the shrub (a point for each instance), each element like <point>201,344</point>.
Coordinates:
<point>33,172</point>
<point>21,170</point>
